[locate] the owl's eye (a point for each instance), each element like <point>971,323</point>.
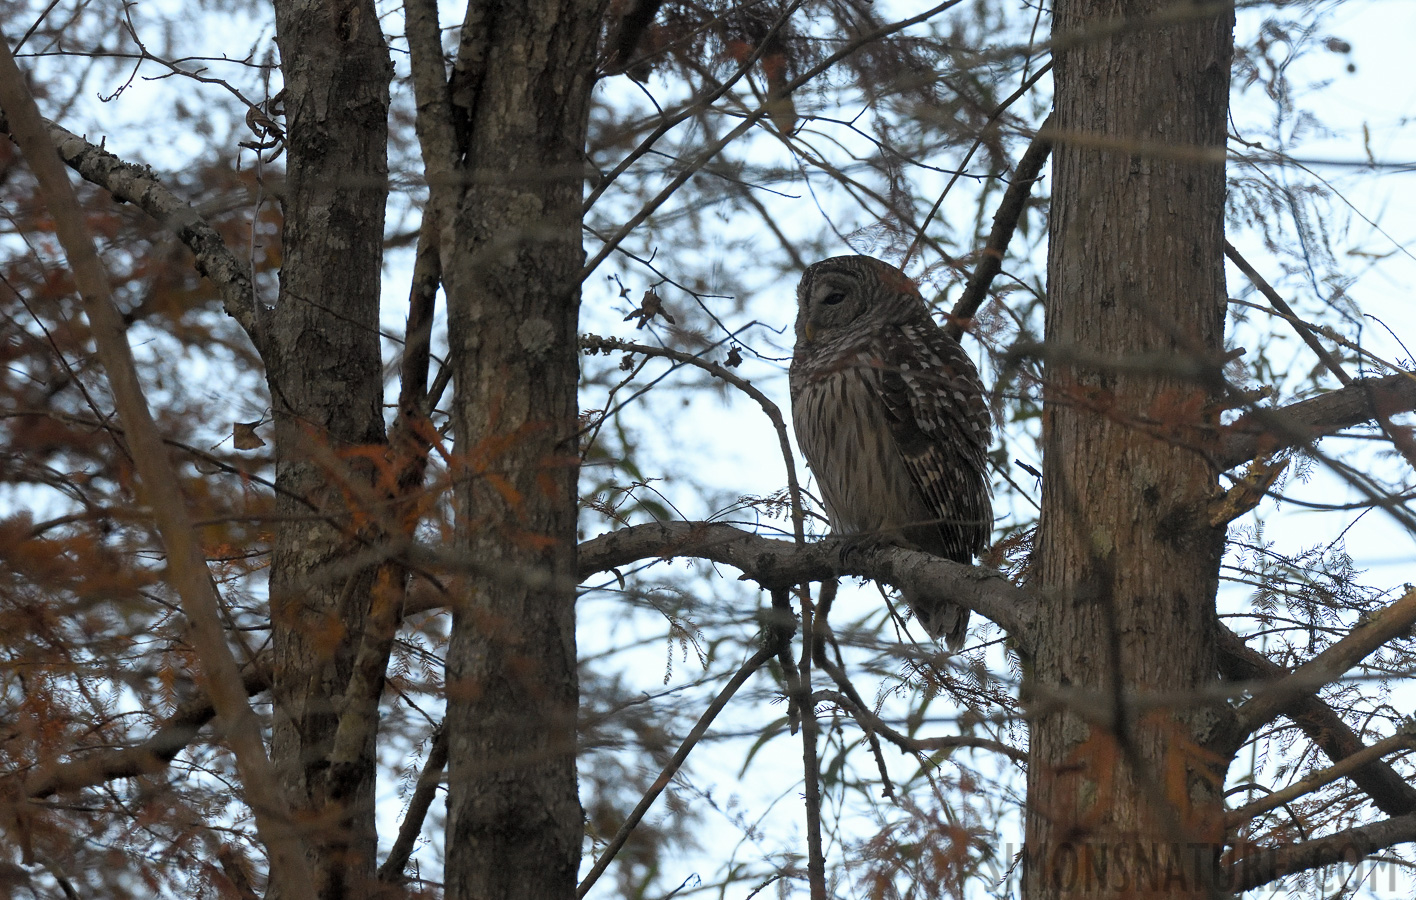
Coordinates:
<point>833,298</point>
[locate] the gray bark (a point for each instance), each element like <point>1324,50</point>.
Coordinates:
<point>1127,562</point>
<point>511,259</point>
<point>325,377</point>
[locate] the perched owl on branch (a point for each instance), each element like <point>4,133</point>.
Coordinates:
<point>891,416</point>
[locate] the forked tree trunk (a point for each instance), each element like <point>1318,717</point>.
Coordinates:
<point>511,250</point>
<point>325,376</point>
<point>1127,564</point>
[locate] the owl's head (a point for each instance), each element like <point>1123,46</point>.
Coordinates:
<point>846,292</point>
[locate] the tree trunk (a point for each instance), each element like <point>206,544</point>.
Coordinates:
<point>1120,792</point>
<point>512,257</point>
<point>325,376</point>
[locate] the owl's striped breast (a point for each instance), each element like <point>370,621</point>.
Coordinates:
<point>841,428</point>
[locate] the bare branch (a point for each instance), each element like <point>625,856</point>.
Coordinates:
<point>773,563</point>
<point>689,111</point>
<point>417,346</point>
<point>868,720</point>
<point>1261,865</point>
<point>359,708</point>
<point>1391,621</point>
<point>1401,741</point>
<point>690,167</point>
<point>1005,222</point>
<point>1283,309</point>
<point>152,755</point>
<point>1323,726</point>
<point>436,136</point>
<point>811,635</point>
<point>667,773</point>
<point>423,793</point>
<point>596,344</point>
<point>131,183</point>
<point>777,563</point>
<point>1268,430</point>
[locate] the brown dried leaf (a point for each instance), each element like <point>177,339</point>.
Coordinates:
<point>243,435</point>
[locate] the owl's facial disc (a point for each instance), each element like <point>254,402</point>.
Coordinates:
<point>835,300</point>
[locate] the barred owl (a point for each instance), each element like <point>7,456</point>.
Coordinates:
<point>891,416</point>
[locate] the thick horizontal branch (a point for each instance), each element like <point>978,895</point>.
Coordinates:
<point>1268,430</point>
<point>152,755</point>
<point>1266,864</point>
<point>775,564</point>
<point>138,185</point>
<point>1323,726</point>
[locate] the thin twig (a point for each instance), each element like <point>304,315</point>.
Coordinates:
<point>811,765</point>
<point>597,344</point>
<point>1390,792</point>
<point>778,635</point>
<point>152,755</point>
<point>391,872</point>
<point>690,110</point>
<point>1005,222</point>
<point>872,723</point>
<point>1283,309</point>
<point>667,773</point>
<point>973,148</point>
<point>1400,741</point>
<point>692,166</point>
<point>1391,621</point>
<point>887,787</point>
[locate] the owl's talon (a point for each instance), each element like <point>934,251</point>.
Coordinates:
<point>854,546</point>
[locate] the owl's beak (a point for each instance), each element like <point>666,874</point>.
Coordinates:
<point>809,331</point>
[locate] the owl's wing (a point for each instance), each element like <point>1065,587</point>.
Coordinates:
<point>935,408</point>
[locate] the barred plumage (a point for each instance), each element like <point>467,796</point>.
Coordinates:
<point>891,416</point>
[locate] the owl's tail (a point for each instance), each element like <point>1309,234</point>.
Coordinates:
<point>941,618</point>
